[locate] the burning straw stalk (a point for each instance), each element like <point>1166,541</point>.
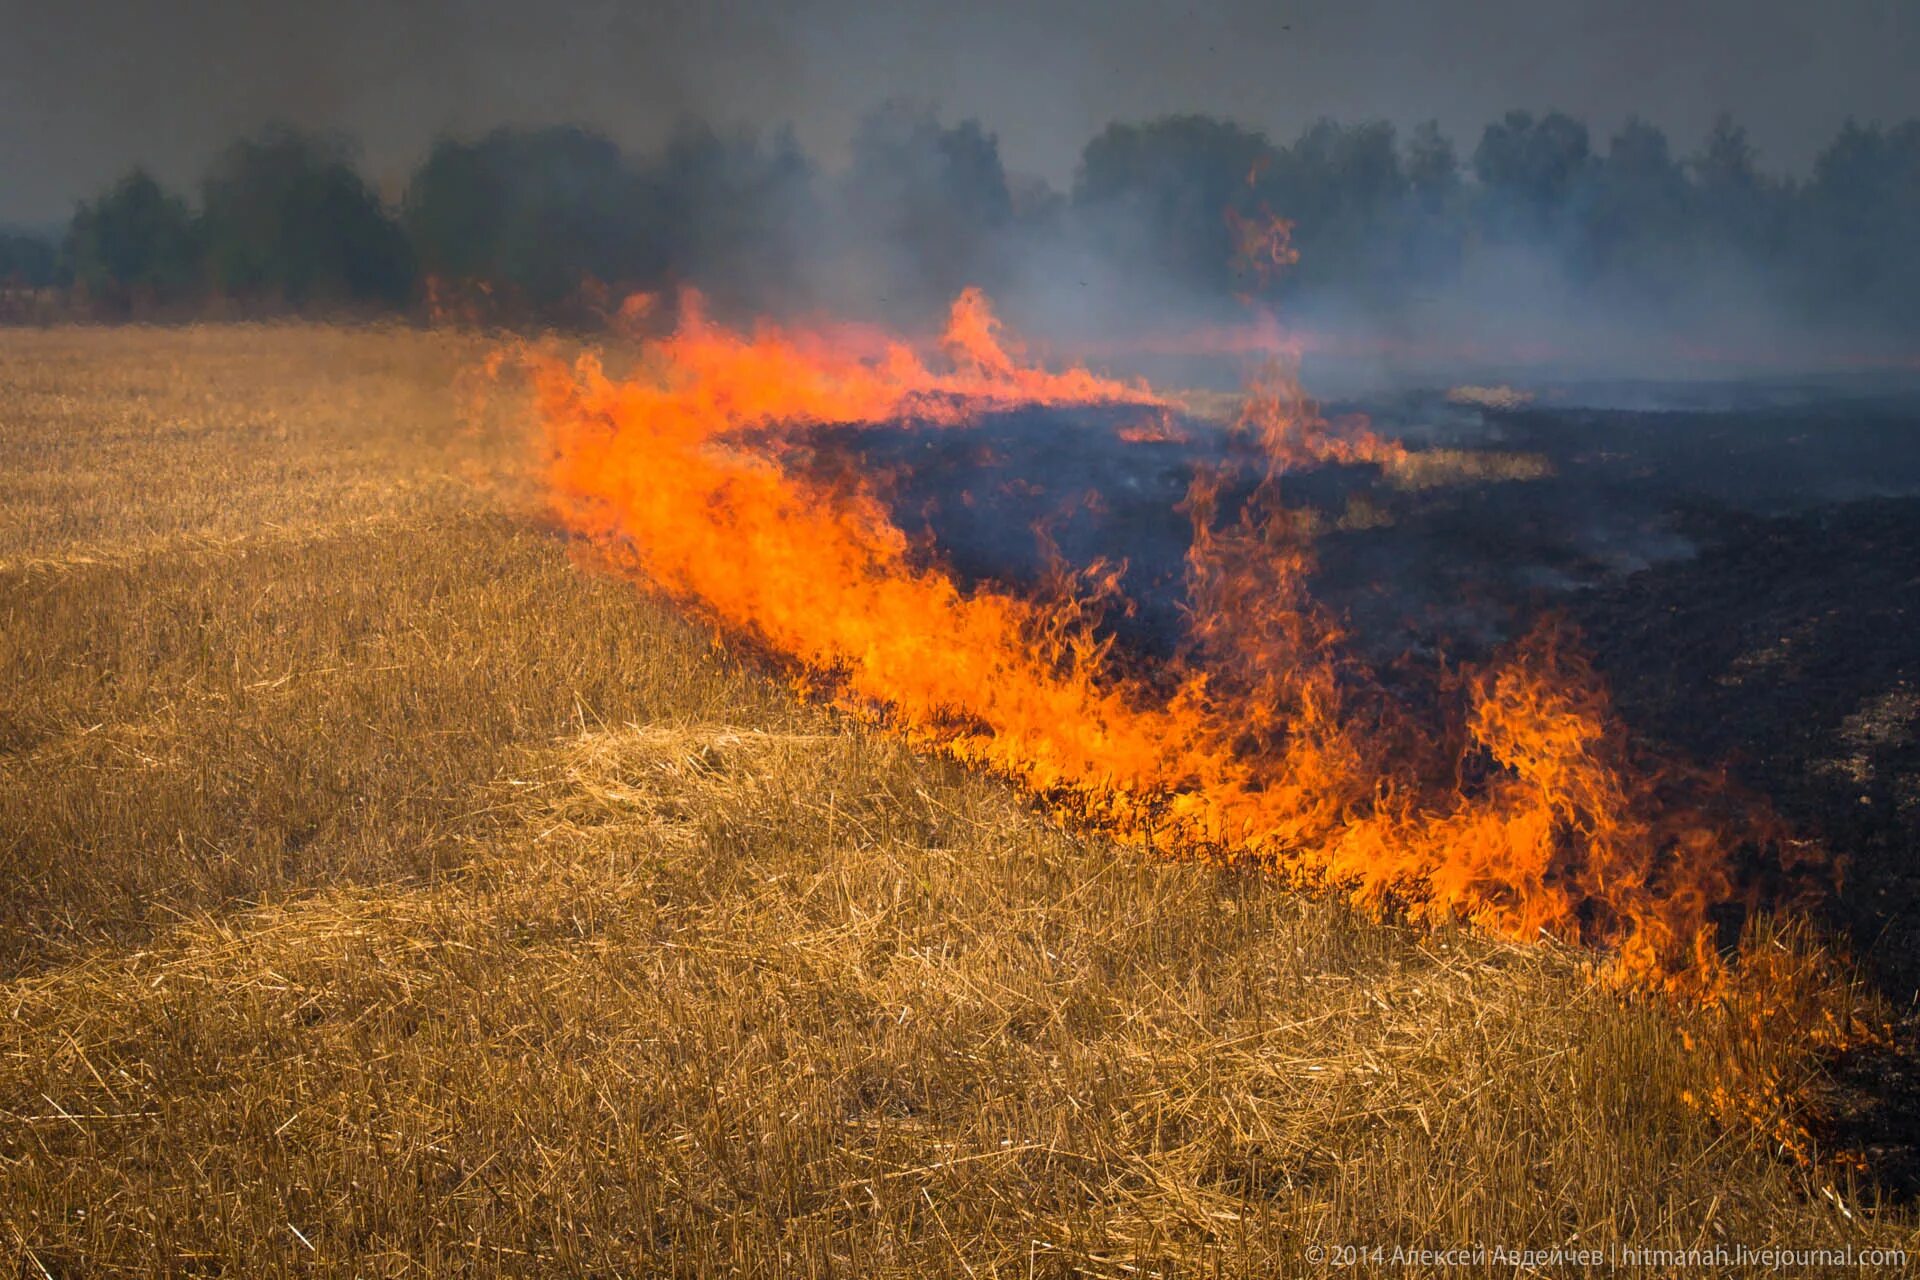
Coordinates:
<point>1514,802</point>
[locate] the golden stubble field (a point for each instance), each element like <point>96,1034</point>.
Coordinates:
<point>386,891</point>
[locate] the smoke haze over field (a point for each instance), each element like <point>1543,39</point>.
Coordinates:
<point>89,87</point>
<point>1711,188</point>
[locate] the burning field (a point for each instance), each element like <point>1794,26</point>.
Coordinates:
<point>799,799</point>
<point>1244,726</point>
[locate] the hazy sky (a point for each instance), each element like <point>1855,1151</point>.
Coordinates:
<point>89,87</point>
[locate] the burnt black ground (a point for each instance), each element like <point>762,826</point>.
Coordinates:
<point>1745,571</point>
<point>1778,629</point>
<point>1788,648</point>
<point>1747,580</point>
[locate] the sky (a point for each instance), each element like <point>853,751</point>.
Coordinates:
<point>88,88</point>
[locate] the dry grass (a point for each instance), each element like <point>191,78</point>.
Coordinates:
<point>1437,468</point>
<point>1498,397</point>
<point>385,894</point>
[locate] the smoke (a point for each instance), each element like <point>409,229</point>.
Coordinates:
<point>1540,258</point>
<point>1538,255</point>
<point>1085,165</point>
<point>90,87</point>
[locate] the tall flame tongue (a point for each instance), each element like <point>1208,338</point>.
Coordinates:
<point>1521,810</point>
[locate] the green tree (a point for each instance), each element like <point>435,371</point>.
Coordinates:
<point>536,213</point>
<point>1635,210</point>
<point>288,219</point>
<point>1529,168</point>
<point>1433,234</point>
<point>1737,207</point>
<point>134,245</point>
<point>1346,194</point>
<point>1159,194</point>
<point>27,260</point>
<point>933,199</point>
<point>735,212</point>
<point>1858,222</point>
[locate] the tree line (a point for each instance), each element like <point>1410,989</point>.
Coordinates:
<point>541,223</point>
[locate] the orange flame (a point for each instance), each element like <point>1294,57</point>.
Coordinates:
<point>1157,427</point>
<point>1262,246</point>
<point>1523,810</point>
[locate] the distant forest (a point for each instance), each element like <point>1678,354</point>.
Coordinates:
<point>549,224</point>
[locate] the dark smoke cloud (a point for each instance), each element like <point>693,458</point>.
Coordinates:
<point>88,87</point>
